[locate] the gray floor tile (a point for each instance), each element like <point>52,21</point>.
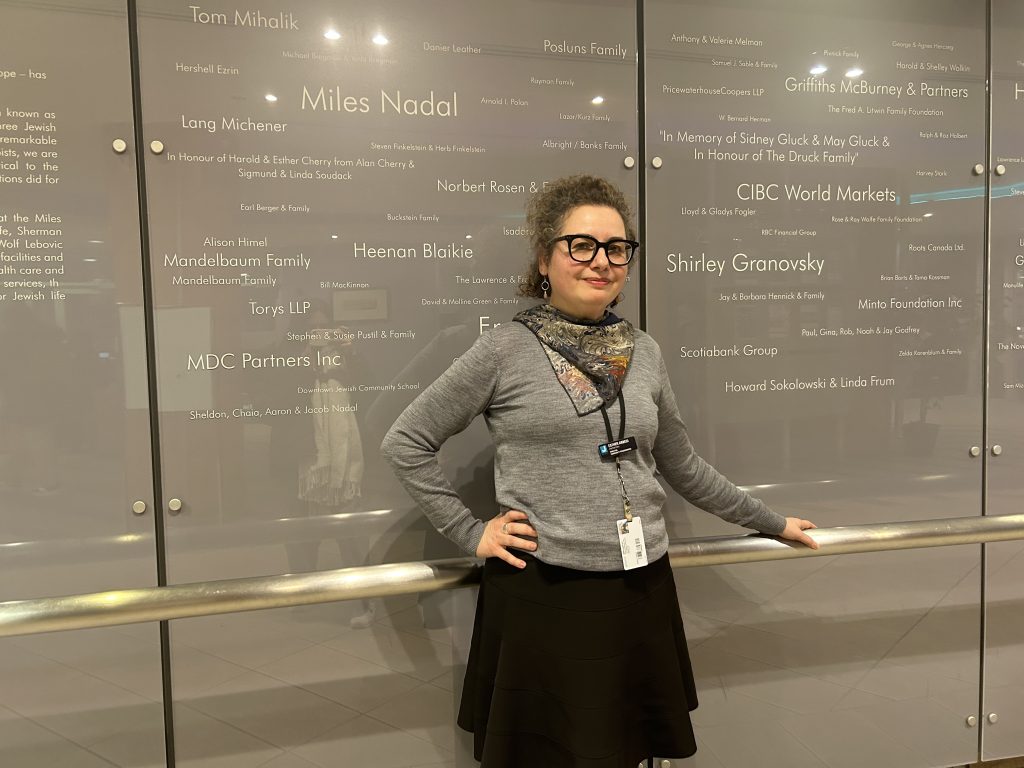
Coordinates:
<point>399,651</point>
<point>194,671</point>
<point>411,620</point>
<point>24,743</point>
<point>136,748</point>
<point>836,663</point>
<point>201,741</point>
<point>845,739</point>
<point>426,712</point>
<point>248,640</point>
<point>927,729</point>
<point>369,742</point>
<point>351,681</point>
<point>130,662</point>
<point>288,760</point>
<point>757,743</point>
<point>906,681</point>
<point>272,710</point>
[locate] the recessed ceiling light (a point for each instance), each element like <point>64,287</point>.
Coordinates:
<point>334,237</point>
<point>380,39</point>
<point>597,100</point>
<point>819,69</point>
<point>854,72</point>
<point>332,34</point>
<point>270,97</point>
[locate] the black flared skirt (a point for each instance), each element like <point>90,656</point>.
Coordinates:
<point>577,669</point>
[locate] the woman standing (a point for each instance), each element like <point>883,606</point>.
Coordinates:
<point>578,655</point>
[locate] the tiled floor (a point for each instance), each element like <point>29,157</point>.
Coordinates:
<point>376,696</point>
<point>867,659</point>
<point>64,709</point>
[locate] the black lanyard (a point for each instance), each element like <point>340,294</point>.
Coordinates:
<point>622,419</point>
<point>626,507</point>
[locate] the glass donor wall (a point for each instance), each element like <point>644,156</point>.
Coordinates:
<point>336,214</point>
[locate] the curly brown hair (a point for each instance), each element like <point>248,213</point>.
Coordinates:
<point>550,207</point>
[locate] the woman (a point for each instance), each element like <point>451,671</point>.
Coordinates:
<point>578,655</point>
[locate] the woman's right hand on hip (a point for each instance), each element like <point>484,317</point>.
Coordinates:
<point>505,531</point>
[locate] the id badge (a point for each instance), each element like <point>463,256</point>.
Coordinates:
<point>619,447</point>
<point>631,542</point>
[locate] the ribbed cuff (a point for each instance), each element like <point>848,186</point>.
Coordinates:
<point>472,539</point>
<point>767,521</point>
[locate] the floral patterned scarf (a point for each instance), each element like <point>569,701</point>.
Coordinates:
<point>590,360</point>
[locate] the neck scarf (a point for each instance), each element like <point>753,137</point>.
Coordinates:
<point>589,359</point>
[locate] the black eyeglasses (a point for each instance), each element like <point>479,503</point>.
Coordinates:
<point>583,248</point>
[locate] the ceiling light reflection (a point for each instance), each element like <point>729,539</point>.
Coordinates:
<point>129,538</point>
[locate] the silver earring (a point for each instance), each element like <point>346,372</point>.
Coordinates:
<point>546,287</point>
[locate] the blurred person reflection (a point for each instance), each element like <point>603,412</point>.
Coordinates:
<point>291,434</point>
<point>330,471</point>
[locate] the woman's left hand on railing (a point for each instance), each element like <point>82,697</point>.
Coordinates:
<point>794,531</point>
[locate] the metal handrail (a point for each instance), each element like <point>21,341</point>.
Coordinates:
<point>180,601</point>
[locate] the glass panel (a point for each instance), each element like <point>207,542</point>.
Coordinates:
<point>1004,641</point>
<point>74,417</point>
<point>338,213</point>
<point>814,270</point>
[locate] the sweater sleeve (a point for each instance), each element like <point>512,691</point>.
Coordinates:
<point>443,409</point>
<point>696,480</point>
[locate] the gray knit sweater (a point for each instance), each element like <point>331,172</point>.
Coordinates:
<point>546,460</point>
